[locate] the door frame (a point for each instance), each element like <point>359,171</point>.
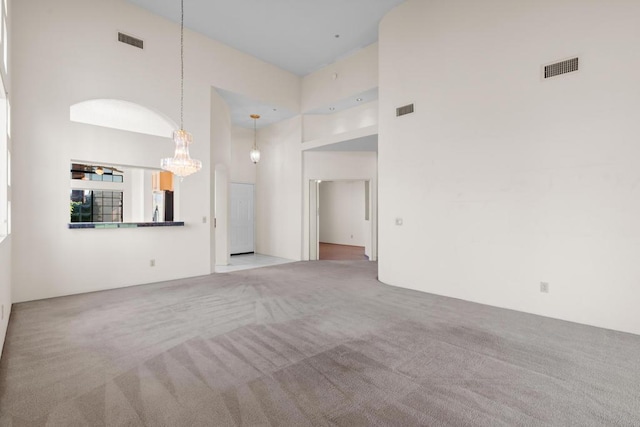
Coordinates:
<point>313,221</point>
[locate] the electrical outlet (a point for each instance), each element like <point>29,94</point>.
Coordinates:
<point>152,263</point>
<point>544,287</point>
<point>204,219</point>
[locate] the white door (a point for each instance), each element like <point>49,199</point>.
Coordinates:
<point>241,221</point>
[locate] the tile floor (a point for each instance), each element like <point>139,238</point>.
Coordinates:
<point>248,261</point>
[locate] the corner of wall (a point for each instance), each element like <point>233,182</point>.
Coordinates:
<point>5,287</point>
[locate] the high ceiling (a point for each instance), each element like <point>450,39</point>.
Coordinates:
<point>296,35</point>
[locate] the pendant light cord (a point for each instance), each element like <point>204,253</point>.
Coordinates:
<point>182,65</point>
<point>255,144</point>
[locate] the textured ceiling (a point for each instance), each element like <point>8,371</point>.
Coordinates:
<point>296,35</point>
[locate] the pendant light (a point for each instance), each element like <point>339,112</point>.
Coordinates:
<point>255,153</point>
<point>181,164</point>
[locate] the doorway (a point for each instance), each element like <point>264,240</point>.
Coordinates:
<point>242,221</point>
<point>342,227</point>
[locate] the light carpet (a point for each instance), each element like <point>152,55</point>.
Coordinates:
<point>307,344</point>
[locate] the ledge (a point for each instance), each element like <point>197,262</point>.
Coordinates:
<point>125,224</point>
<point>340,137</point>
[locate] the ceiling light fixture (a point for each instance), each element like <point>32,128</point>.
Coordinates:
<point>332,108</point>
<point>255,153</point>
<point>99,170</point>
<point>181,164</point>
<point>359,99</point>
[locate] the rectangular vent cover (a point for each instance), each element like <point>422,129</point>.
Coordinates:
<point>124,38</point>
<point>562,67</point>
<point>407,109</point>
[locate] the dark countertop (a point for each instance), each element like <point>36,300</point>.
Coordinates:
<point>125,224</point>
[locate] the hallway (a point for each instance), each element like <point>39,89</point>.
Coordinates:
<point>330,251</point>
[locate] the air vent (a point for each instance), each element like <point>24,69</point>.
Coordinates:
<point>407,109</point>
<point>124,38</point>
<point>562,67</point>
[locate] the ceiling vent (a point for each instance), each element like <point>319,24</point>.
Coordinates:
<point>130,40</point>
<point>559,68</point>
<point>401,111</point>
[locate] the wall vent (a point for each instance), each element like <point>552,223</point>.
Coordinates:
<point>407,109</point>
<point>562,67</point>
<point>130,40</point>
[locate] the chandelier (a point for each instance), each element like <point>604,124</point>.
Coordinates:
<point>181,164</point>
<point>255,153</point>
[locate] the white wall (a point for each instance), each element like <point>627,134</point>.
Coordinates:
<point>141,197</point>
<point>242,168</point>
<point>355,74</point>
<point>503,180</point>
<point>69,53</point>
<point>132,189</point>
<point>5,193</point>
<point>147,203</point>
<point>220,248</point>
<point>320,126</point>
<point>339,165</point>
<point>279,190</point>
<point>221,160</point>
<point>342,213</point>
<point>5,286</point>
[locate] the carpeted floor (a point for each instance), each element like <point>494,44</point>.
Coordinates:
<point>300,344</point>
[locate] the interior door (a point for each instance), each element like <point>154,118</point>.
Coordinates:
<point>242,218</point>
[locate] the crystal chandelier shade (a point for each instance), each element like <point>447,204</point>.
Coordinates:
<point>181,164</point>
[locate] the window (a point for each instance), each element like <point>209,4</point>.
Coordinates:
<point>100,200</point>
<point>96,206</point>
<point>96,173</point>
